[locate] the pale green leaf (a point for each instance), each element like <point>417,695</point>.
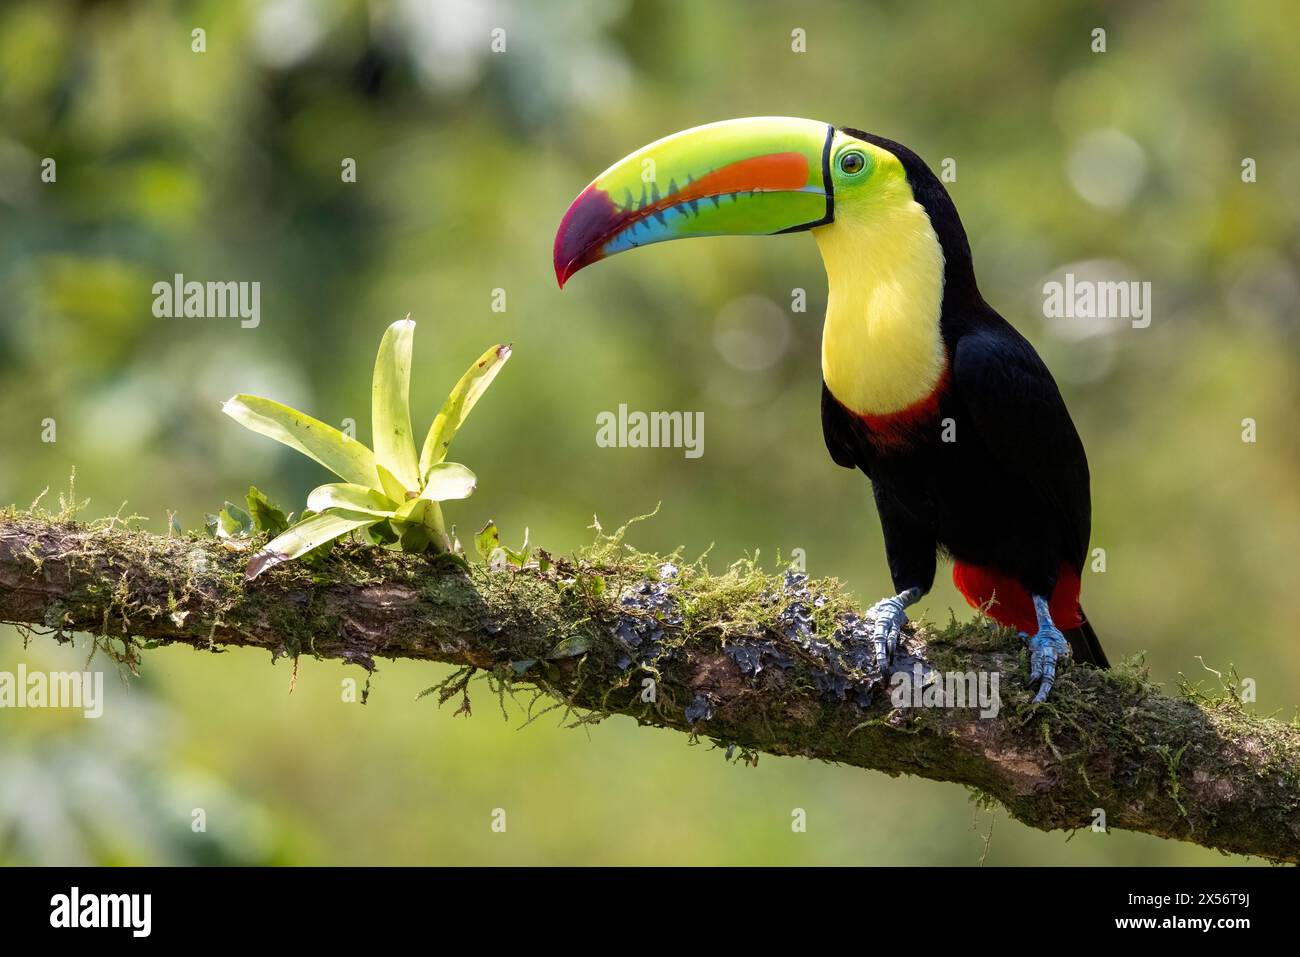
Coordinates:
<point>303,537</point>
<point>347,458</point>
<point>520,557</point>
<point>571,647</point>
<point>413,511</point>
<point>426,514</point>
<point>456,409</point>
<point>351,498</point>
<point>230,522</point>
<point>266,516</point>
<point>390,404</point>
<point>447,481</point>
<point>389,485</point>
<point>488,540</point>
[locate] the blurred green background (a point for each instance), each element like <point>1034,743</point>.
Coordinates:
<point>225,165</point>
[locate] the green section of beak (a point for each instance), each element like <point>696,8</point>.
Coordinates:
<point>753,176</point>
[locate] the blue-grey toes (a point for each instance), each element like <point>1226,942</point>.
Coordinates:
<point>1046,650</point>
<point>888,618</point>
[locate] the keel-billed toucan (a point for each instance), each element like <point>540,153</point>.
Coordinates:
<point>938,399</point>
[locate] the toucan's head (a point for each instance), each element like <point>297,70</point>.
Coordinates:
<point>754,176</point>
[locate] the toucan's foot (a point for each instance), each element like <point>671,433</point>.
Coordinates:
<point>888,616</point>
<point>1046,649</point>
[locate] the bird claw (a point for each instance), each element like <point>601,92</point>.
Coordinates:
<point>1046,650</point>
<point>888,618</point>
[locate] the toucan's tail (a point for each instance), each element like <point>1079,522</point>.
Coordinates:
<point>1084,643</point>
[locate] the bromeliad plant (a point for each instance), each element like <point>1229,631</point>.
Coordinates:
<point>389,494</point>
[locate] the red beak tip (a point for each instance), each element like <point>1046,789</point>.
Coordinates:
<point>564,272</point>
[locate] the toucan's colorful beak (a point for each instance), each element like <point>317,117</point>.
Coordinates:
<point>754,176</point>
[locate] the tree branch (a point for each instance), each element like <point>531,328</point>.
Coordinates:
<point>755,662</point>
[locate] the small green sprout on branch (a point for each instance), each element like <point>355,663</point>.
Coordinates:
<point>388,494</point>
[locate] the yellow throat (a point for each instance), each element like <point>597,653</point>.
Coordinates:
<point>881,344</point>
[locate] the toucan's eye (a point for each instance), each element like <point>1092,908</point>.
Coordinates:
<point>853,162</point>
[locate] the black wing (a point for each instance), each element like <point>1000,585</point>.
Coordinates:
<point>1019,414</point>
<point>909,543</point>
<point>837,430</point>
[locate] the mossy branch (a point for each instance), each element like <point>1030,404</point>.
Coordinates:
<point>756,662</point>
